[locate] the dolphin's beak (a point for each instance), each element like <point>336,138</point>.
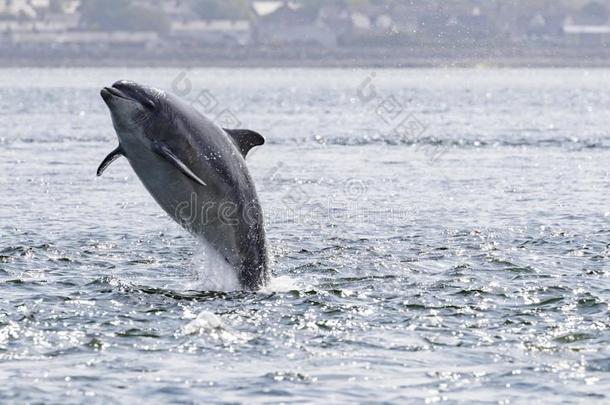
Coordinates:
<point>127,91</point>
<point>108,93</point>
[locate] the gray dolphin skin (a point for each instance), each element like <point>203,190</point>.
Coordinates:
<point>195,170</point>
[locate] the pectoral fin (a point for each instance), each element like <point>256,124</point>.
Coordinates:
<point>245,139</point>
<point>166,153</point>
<point>114,155</point>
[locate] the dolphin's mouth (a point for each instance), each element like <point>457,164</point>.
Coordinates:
<point>129,91</point>
<point>109,92</point>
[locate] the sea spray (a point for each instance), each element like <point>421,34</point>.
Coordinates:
<point>212,272</point>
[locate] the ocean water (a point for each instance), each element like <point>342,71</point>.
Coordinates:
<point>435,235</point>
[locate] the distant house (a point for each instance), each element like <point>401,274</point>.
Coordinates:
<point>263,8</point>
<point>372,20</point>
<point>178,10</point>
<point>70,6</point>
<point>546,25</point>
<point>336,16</point>
<point>592,13</point>
<point>187,26</point>
<point>47,23</point>
<point>212,32</point>
<point>406,18</point>
<point>290,24</point>
<point>588,35</point>
<point>22,9</point>
<point>38,17</point>
<point>466,24</point>
<point>361,22</point>
<point>379,24</point>
<point>589,26</point>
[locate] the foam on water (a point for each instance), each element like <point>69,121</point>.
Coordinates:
<point>281,284</point>
<point>204,322</point>
<point>210,325</point>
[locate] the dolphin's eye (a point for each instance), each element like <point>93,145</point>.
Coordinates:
<point>149,104</point>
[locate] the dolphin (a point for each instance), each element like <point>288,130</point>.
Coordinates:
<point>195,170</point>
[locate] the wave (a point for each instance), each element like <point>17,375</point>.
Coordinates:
<point>56,138</point>
<point>364,140</point>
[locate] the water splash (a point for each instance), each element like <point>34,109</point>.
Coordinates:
<point>203,323</point>
<point>212,271</point>
<point>209,325</point>
<point>281,284</point>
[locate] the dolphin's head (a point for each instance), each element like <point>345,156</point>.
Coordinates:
<point>133,107</point>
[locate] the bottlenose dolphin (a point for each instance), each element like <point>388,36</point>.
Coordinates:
<point>195,170</point>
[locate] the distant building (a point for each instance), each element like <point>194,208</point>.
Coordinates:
<point>46,23</point>
<point>22,9</point>
<point>212,32</point>
<point>363,24</point>
<point>178,10</point>
<point>458,24</point>
<point>290,24</point>
<point>406,18</point>
<point>588,27</point>
<point>588,35</point>
<point>592,13</point>
<point>546,25</point>
<point>263,8</point>
<point>337,16</point>
<point>188,27</point>
<point>69,6</point>
<point>371,19</point>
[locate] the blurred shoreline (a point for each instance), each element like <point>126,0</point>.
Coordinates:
<point>304,33</point>
<point>309,57</point>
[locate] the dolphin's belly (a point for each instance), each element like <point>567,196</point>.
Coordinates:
<point>207,212</point>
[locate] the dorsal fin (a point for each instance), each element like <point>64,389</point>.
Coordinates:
<point>245,139</point>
